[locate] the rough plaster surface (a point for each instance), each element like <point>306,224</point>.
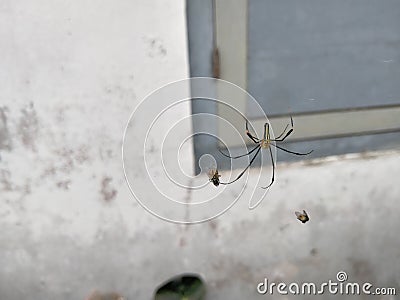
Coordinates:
<point>71,74</point>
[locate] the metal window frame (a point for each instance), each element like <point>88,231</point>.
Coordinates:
<point>217,34</point>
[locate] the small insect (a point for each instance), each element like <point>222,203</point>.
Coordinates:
<point>302,217</point>
<point>265,143</point>
<point>214,176</point>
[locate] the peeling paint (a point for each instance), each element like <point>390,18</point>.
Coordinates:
<point>66,155</point>
<point>155,47</point>
<point>28,127</point>
<point>82,154</point>
<point>120,91</point>
<point>69,159</point>
<point>64,184</point>
<point>107,191</point>
<point>49,171</point>
<point>105,154</point>
<point>5,181</point>
<point>5,140</point>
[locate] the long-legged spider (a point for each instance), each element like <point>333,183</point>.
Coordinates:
<point>265,143</point>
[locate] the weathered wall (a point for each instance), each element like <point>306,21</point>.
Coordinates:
<point>70,75</point>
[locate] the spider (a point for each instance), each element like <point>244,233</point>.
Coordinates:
<point>265,143</point>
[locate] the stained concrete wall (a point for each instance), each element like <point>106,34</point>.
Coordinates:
<point>70,75</point>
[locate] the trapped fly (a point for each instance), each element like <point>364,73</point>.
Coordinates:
<point>214,176</point>
<point>302,217</point>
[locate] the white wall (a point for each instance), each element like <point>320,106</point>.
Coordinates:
<point>70,75</point>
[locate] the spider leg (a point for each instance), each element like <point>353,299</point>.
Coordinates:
<point>292,152</point>
<point>284,131</point>
<point>273,170</point>
<point>279,139</point>
<point>241,174</point>
<point>234,157</point>
<point>253,138</point>
<point>286,135</point>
